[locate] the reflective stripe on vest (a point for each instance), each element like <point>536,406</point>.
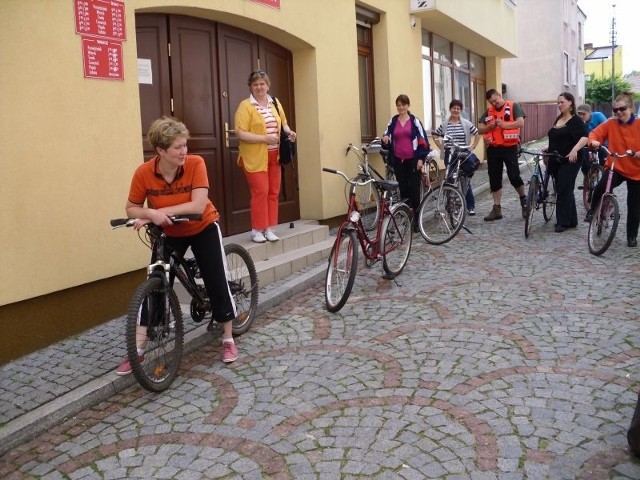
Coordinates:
<point>501,137</point>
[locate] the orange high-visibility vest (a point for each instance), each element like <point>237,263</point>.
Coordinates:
<point>499,137</point>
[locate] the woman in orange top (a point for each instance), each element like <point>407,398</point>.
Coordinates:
<point>623,134</point>
<point>174,183</point>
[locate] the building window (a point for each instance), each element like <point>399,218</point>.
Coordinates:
<point>580,40</point>
<point>574,72</point>
<point>450,71</point>
<point>365,19</point>
<point>565,68</point>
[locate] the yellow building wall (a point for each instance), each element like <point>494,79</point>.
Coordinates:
<point>602,68</point>
<point>70,144</point>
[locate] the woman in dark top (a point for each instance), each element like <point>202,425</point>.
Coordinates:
<point>567,130</point>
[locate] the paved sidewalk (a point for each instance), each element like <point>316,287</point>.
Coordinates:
<point>491,357</point>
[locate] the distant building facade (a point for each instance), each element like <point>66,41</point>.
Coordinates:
<point>550,55</point>
<point>599,62</point>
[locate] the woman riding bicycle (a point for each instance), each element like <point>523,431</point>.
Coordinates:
<point>623,134</point>
<point>174,183</point>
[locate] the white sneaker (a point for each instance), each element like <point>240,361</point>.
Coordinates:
<point>269,235</point>
<point>257,236</point>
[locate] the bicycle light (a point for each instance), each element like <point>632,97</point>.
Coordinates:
<point>354,217</point>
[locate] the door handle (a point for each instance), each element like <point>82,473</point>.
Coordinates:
<point>227,131</point>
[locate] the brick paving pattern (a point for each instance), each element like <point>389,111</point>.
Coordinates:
<point>491,357</point>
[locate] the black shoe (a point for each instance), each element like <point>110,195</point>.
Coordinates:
<point>632,242</point>
<point>560,228</point>
<point>589,216</point>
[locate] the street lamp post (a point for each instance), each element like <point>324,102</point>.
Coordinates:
<point>613,54</point>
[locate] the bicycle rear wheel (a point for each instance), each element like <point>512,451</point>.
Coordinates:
<point>341,270</point>
<point>604,224</point>
<point>589,186</point>
<point>441,214</point>
<point>532,204</point>
<point>549,201</point>
<point>158,307</point>
<point>243,283</point>
<point>368,203</point>
<point>396,239</point>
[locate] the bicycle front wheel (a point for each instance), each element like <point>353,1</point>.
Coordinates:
<point>532,205</point>
<point>243,284</point>
<point>157,308</point>
<point>368,203</point>
<point>430,177</point>
<point>341,270</point>
<point>441,214</point>
<point>396,239</point>
<point>604,224</point>
<point>549,202</point>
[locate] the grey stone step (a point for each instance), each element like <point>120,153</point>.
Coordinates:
<point>300,247</point>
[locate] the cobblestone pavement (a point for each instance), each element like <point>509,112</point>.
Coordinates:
<point>492,357</point>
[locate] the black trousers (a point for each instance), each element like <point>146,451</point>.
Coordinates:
<point>497,159</point>
<point>409,181</point>
<point>208,251</point>
<point>565,174</point>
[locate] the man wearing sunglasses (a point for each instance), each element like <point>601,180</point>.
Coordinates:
<point>623,134</point>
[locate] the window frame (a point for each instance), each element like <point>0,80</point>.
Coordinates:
<point>365,51</point>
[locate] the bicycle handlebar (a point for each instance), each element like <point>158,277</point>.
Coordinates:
<point>348,180</point>
<point>374,146</point>
<point>448,139</point>
<point>628,153</point>
<point>128,222</point>
<point>539,153</point>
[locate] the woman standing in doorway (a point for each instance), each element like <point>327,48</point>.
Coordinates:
<point>257,125</point>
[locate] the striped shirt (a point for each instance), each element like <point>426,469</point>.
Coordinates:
<point>270,121</point>
<point>456,132</point>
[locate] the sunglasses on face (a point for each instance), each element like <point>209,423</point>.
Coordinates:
<point>619,109</point>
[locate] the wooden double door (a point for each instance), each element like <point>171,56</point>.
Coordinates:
<point>198,73</point>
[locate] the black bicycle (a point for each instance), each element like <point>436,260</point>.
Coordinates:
<point>156,302</point>
<point>443,210</point>
<point>542,188</point>
<point>592,177</point>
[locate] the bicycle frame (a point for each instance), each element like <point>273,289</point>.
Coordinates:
<point>542,176</point>
<point>370,246</point>
<point>176,267</point>
<point>614,156</point>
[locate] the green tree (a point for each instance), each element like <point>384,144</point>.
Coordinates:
<point>599,89</point>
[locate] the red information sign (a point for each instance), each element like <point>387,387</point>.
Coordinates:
<point>269,3</point>
<point>100,18</point>
<point>102,58</point>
